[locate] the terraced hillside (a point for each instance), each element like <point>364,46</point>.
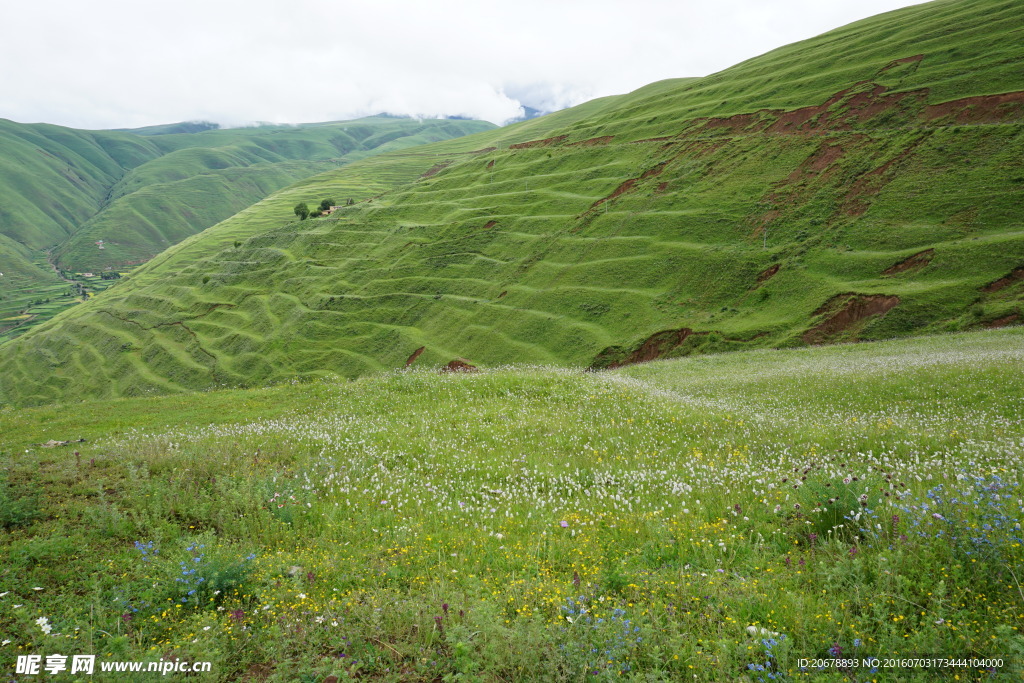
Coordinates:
<point>102,200</point>
<point>863,184</point>
<point>189,189</point>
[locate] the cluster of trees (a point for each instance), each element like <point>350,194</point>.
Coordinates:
<point>303,212</point>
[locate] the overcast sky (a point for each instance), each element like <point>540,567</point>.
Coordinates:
<point>127,63</point>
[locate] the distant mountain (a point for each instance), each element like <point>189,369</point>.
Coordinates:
<point>173,128</point>
<point>528,113</point>
<point>862,184</point>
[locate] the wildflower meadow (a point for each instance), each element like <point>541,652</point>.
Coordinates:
<point>765,515</point>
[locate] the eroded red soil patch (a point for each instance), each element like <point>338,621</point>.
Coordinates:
<point>797,119</point>
<point>817,164</point>
<point>651,172</point>
<point>767,274</point>
<point>697,149</point>
<point>859,104</point>
<point>897,62</point>
<point>981,109</point>
<point>621,189</point>
<point>652,348</point>
<point>1004,321</point>
<point>863,106</point>
<point>593,142</point>
<point>866,105</point>
<point>627,186</point>
<point>414,356</point>
<point>490,224</point>
<point>844,111</point>
<point>802,183</point>
<point>1016,274</point>
<point>539,143</point>
<point>823,158</point>
<point>436,168</point>
<point>915,262</point>
<point>855,308</point>
<point>459,365</point>
<point>737,123</point>
<point>658,345</point>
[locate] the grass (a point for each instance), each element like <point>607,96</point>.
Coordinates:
<point>691,518</point>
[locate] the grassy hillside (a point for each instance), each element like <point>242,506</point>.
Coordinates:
<point>52,179</point>
<point>134,228</point>
<point>101,200</point>
<point>360,181</point>
<point>966,48</point>
<point>202,178</point>
<point>713,518</point>
<point>874,198</point>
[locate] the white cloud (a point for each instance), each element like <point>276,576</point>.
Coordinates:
<point>115,63</point>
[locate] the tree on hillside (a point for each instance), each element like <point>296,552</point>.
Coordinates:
<point>326,204</point>
<point>302,211</point>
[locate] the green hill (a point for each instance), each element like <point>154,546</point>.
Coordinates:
<point>859,185</point>
<point>143,193</point>
<point>102,200</point>
<point>53,179</point>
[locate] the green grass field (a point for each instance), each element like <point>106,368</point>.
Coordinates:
<point>711,518</point>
